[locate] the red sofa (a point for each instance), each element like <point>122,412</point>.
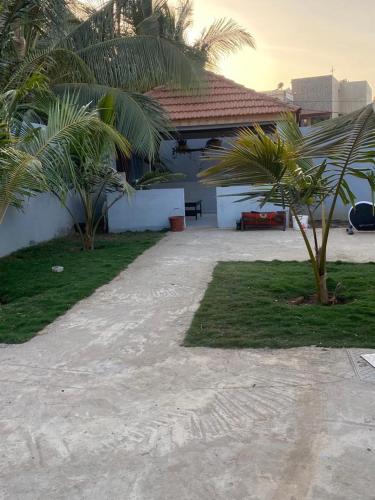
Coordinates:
<point>257,220</point>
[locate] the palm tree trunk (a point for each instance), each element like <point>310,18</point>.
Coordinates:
<point>313,258</point>
<point>324,297</point>
<point>88,241</point>
<point>321,259</point>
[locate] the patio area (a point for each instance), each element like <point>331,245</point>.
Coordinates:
<point>205,221</point>
<point>106,404</point>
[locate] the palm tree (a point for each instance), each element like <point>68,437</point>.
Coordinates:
<point>125,47</point>
<point>286,169</point>
<point>92,57</point>
<point>71,151</point>
<point>88,171</point>
<point>21,173</point>
<point>222,37</point>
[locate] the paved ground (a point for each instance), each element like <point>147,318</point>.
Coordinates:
<point>106,405</point>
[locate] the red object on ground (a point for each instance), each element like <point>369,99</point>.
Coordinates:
<point>263,219</point>
<point>177,223</point>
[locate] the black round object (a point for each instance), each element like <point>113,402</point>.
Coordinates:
<point>362,216</point>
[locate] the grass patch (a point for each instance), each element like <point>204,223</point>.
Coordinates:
<point>32,296</point>
<point>247,305</point>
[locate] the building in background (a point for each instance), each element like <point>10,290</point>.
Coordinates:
<point>354,95</point>
<point>284,95</point>
<point>326,94</point>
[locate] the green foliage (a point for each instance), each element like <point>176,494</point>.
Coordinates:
<point>138,117</point>
<point>247,305</point>
<point>81,162</point>
<point>72,152</point>
<point>223,37</point>
<point>287,169</point>
<point>32,296</point>
<point>270,164</point>
<point>93,54</point>
<point>123,48</point>
<point>20,175</point>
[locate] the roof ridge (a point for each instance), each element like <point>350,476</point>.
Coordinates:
<point>257,92</point>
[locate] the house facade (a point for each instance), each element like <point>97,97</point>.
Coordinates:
<point>212,117</point>
<point>201,121</point>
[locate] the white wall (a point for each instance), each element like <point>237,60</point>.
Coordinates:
<point>229,210</point>
<point>41,219</point>
<point>361,190</point>
<point>145,210</point>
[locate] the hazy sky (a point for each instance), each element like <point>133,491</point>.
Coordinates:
<point>296,38</point>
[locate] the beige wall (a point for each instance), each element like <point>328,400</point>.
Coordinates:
<point>319,93</point>
<point>354,95</point>
<point>326,93</point>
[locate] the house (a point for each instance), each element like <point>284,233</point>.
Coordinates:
<point>200,120</point>
<point>211,117</point>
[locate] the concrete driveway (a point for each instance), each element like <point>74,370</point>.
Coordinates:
<point>106,405</point>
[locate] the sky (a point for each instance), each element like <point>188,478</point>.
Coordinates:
<point>296,38</point>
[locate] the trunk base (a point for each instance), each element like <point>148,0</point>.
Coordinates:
<point>312,300</point>
<point>88,243</point>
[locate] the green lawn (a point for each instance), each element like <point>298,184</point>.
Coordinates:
<point>247,305</point>
<point>32,296</point>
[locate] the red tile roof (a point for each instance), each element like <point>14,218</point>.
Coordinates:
<point>224,102</point>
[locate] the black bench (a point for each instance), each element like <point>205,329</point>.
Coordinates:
<point>193,208</point>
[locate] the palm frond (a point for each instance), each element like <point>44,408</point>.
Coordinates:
<point>290,133</point>
<point>20,176</point>
<point>223,37</point>
<point>184,19</point>
<point>138,117</point>
<point>346,142</point>
<point>175,22</point>
<point>111,20</point>
<point>268,166</point>
<point>51,62</point>
<point>140,62</point>
<point>333,137</point>
<point>24,22</point>
<point>67,124</point>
